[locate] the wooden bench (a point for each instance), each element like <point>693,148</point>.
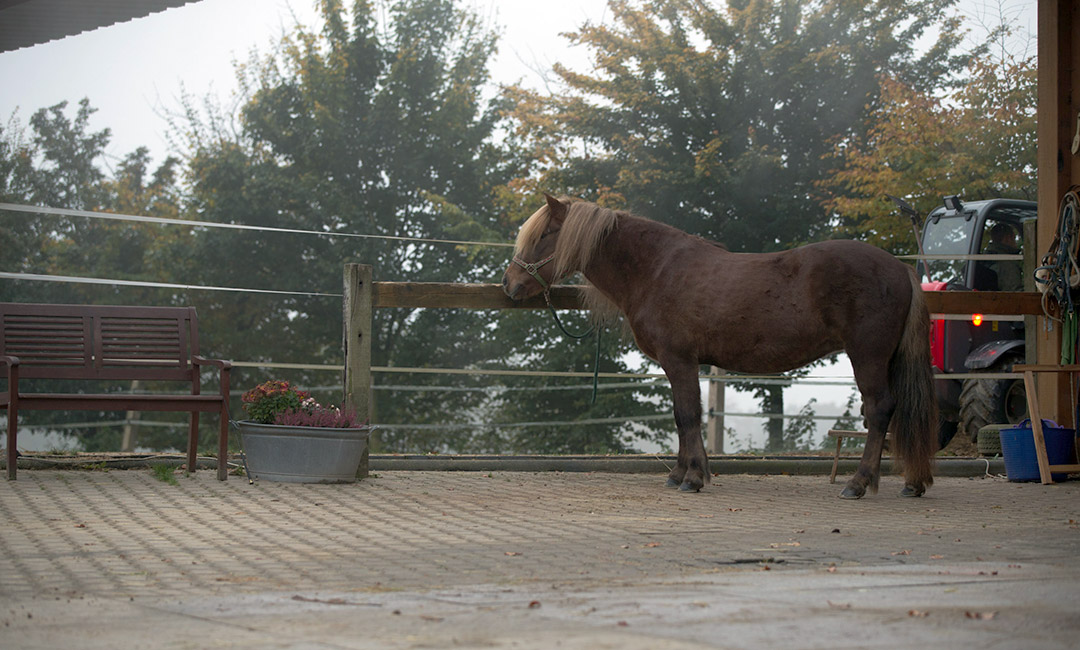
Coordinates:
<point>84,343</point>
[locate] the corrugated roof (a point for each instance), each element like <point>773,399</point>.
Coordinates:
<point>29,22</point>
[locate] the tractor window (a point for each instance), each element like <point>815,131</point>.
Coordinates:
<point>948,236</point>
<point>1000,237</point>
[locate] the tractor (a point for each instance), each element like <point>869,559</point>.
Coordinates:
<point>955,231</point>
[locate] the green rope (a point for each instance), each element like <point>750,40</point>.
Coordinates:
<point>1068,338</point>
<point>596,357</point>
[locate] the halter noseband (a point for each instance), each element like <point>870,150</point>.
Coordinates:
<point>533,269</point>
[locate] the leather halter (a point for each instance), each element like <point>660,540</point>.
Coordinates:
<point>533,269</point>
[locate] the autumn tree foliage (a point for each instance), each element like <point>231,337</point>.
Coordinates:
<point>720,118</point>
<point>977,141</point>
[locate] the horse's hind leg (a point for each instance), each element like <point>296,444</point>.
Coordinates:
<point>878,407</point>
<point>692,467</point>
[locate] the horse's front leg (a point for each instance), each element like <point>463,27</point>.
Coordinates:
<point>692,467</point>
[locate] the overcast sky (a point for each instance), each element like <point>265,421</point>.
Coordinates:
<point>134,73</point>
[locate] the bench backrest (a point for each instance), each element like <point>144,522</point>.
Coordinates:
<point>100,341</point>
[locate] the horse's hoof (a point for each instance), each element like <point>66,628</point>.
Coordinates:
<point>671,483</point>
<point>851,493</point>
<point>687,486</point>
<point>911,491</point>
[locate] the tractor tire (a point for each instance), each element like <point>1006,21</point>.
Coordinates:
<point>991,401</point>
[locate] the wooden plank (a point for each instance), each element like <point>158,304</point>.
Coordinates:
<point>1036,427</point>
<point>1035,367</point>
<point>465,296</point>
<point>984,302</point>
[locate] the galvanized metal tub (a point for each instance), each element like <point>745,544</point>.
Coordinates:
<point>295,454</point>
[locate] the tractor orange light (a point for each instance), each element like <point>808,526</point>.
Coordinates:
<point>976,319</point>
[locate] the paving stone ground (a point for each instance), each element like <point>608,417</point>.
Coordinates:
<point>512,559</point>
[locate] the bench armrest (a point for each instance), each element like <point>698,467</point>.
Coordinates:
<point>12,364</point>
<point>12,373</point>
<point>217,363</point>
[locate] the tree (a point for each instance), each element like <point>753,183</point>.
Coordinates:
<point>719,120</point>
<point>978,141</point>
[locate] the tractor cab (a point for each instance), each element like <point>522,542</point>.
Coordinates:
<point>957,230</point>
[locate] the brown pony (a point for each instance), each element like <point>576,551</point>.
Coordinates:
<point>689,301</point>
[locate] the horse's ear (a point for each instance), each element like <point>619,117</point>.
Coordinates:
<point>556,208</point>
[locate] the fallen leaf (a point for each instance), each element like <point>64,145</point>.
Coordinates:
<point>652,545</point>
<point>917,613</point>
<point>831,569</point>
<point>534,604</point>
<point>623,624</point>
<point>937,557</point>
<point>706,516</point>
<point>838,605</point>
<point>512,553</point>
<point>734,509</point>
<point>903,552</point>
<point>982,616</point>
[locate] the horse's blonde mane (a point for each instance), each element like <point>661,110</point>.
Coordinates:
<point>583,229</point>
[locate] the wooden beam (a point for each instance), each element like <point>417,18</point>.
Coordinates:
<point>984,302</point>
<point>1059,67</point>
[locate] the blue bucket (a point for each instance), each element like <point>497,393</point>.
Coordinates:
<point>1018,448</point>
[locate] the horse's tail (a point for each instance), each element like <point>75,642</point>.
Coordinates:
<point>911,381</point>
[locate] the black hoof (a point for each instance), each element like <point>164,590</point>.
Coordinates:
<point>687,486</point>
<point>671,483</point>
<point>851,493</point>
<point>911,491</point>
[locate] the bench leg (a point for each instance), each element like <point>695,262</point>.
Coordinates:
<point>12,434</point>
<point>836,459</point>
<point>223,445</point>
<point>193,442</point>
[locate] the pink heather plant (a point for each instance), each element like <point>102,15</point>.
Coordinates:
<point>276,402</point>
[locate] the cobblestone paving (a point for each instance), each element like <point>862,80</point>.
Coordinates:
<point>128,534</point>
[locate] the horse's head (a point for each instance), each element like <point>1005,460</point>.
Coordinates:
<point>533,269</point>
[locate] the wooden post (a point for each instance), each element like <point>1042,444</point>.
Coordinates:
<point>1059,76</point>
<point>1031,262</point>
<point>714,429</point>
<point>356,344</point>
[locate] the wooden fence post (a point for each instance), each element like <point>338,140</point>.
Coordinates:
<point>356,344</point>
<point>714,428</point>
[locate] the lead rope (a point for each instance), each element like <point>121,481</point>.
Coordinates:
<point>533,269</point>
<point>596,357</point>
